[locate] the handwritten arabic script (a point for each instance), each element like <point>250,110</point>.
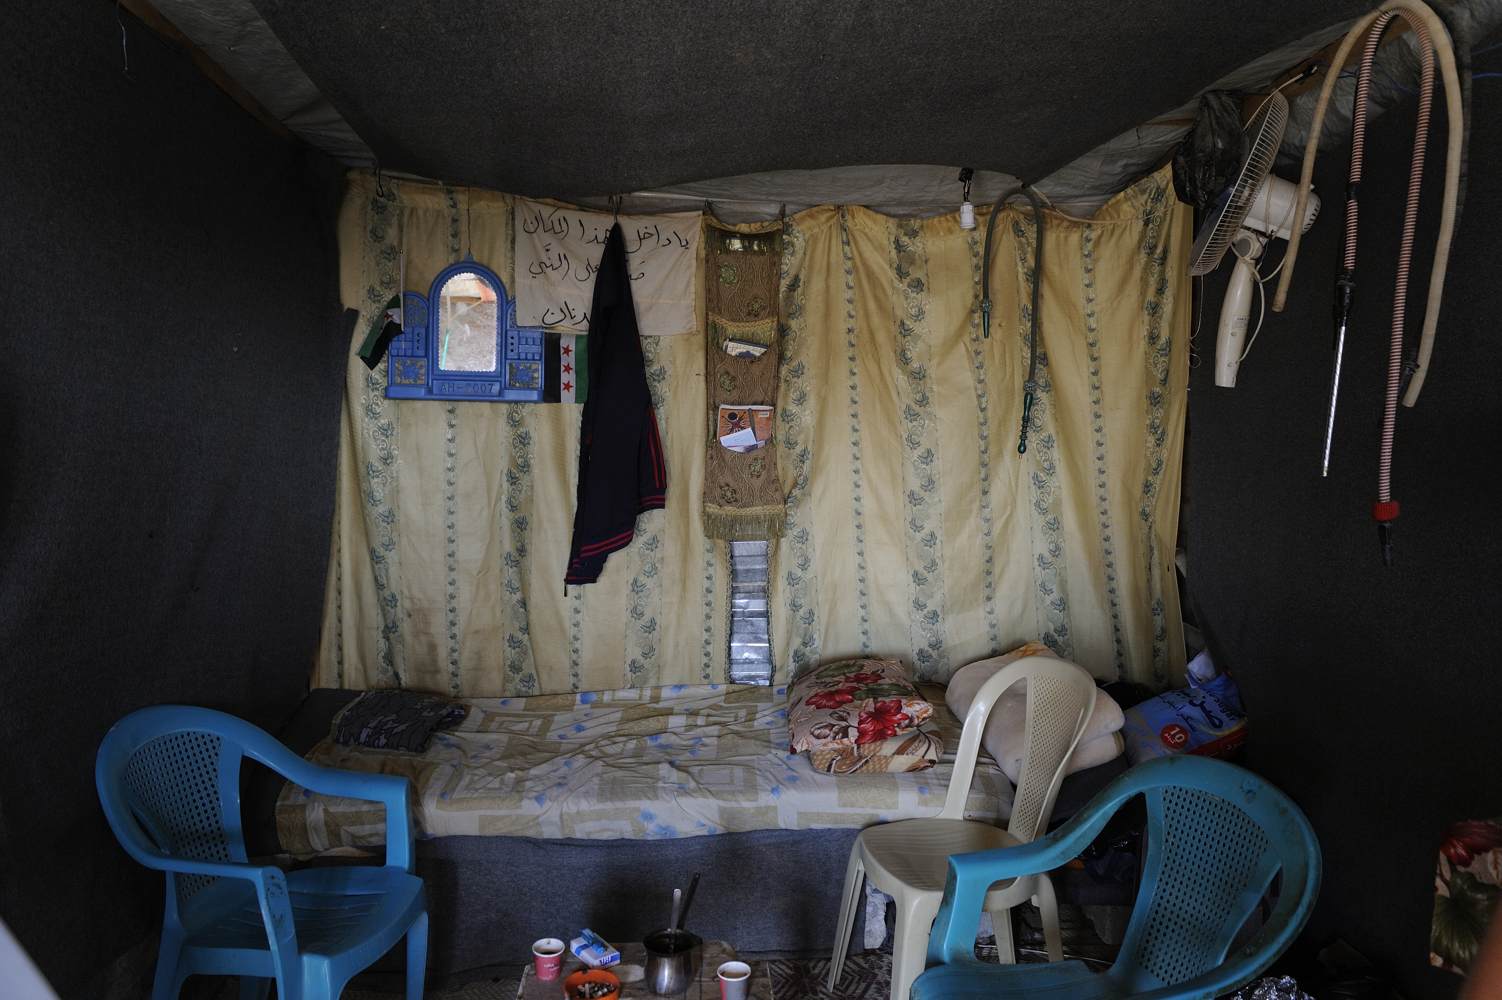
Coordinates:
<point>558,251</point>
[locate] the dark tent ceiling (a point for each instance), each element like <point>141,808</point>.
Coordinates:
<point>575,99</point>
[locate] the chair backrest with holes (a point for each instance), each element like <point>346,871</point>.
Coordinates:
<point>169,782</point>
<point>1060,697</point>
<point>1218,836</point>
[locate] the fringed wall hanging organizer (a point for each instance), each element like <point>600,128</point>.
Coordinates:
<point>743,498</point>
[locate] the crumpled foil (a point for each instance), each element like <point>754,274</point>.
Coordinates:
<point>1272,988</point>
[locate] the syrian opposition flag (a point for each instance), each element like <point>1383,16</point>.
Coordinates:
<point>567,377</point>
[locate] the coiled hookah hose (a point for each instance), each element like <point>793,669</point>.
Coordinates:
<point>1030,384</point>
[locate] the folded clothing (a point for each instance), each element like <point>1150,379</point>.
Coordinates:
<point>1005,734</point>
<point>396,720</point>
<point>851,702</point>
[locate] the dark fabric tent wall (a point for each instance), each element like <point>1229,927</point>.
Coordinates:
<point>1374,694</point>
<point>173,371</point>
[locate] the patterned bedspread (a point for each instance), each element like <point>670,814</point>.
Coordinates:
<point>679,761</point>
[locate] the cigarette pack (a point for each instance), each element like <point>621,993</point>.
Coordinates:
<point>593,950</point>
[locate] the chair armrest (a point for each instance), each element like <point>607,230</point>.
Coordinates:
<point>271,893</point>
<point>388,789</point>
<point>209,869</point>
<point>972,875</point>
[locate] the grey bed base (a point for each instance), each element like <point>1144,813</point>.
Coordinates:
<point>489,898</point>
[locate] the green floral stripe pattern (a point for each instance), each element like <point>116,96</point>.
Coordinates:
<point>857,478</point>
<point>379,447</point>
<point>1159,349</point>
<point>924,506</point>
<point>644,611</point>
<point>1098,440</point>
<point>1048,533</point>
<point>576,638</point>
<point>516,523</point>
<point>451,543</point>
<point>451,498</point>
<point>707,658</point>
<point>983,453</point>
<point>451,200</point>
<point>796,441</point>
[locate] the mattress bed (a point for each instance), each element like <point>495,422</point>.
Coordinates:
<point>492,894</point>
<point>642,764</point>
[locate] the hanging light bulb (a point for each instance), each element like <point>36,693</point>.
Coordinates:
<point>967,210</point>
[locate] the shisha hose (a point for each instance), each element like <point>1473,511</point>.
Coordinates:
<point>1030,384</point>
<point>1385,510</point>
<point>1433,39</point>
<point>1416,10</point>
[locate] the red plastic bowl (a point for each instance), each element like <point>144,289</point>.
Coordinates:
<point>583,976</point>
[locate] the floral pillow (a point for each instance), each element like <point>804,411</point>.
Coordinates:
<point>851,702</point>
<point>915,750</point>
<point>1466,893</point>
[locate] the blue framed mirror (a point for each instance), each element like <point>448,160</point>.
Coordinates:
<point>461,342</point>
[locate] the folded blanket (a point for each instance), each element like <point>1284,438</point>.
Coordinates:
<point>396,720</point>
<point>1004,734</point>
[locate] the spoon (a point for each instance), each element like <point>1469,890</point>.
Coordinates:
<point>688,899</point>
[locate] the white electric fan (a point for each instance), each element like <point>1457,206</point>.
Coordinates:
<point>1258,206</point>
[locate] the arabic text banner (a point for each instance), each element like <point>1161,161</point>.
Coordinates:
<point>558,250</point>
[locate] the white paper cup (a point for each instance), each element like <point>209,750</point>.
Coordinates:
<point>735,980</point>
<point>547,958</point>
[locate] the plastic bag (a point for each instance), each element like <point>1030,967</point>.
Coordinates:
<point>1206,718</point>
<point>1271,988</point>
<point>1209,158</point>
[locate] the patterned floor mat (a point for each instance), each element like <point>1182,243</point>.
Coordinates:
<point>866,976</point>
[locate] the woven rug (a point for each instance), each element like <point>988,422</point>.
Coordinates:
<point>497,987</point>
<point>867,976</point>
<point>488,989</point>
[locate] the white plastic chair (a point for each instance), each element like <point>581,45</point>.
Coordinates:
<point>908,859</point>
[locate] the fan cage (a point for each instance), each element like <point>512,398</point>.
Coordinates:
<point>1269,123</point>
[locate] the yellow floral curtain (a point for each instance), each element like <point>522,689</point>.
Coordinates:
<point>453,520</point>
<point>914,527</point>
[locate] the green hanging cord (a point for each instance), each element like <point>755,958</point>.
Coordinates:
<point>985,271</point>
<point>1027,412</point>
<point>1030,384</point>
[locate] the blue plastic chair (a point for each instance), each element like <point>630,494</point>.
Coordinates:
<point>169,781</point>
<point>1218,835</point>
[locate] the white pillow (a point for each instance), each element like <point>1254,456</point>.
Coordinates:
<point>1005,729</point>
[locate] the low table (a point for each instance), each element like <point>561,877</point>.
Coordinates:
<point>705,987</point>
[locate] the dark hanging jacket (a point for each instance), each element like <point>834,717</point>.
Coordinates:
<point>621,469</point>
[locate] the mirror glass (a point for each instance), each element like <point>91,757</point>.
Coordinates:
<point>467,331</point>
